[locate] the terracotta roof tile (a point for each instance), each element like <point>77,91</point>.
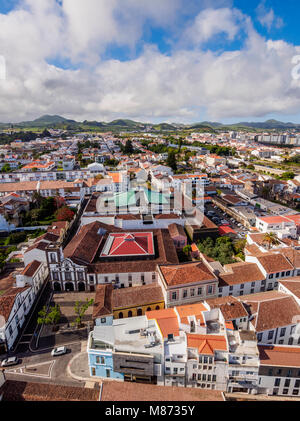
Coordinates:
<point>279,356</point>
<point>186,273</point>
<point>119,391</point>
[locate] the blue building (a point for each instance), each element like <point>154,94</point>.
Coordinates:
<point>100,349</point>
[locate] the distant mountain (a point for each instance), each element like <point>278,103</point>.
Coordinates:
<point>56,121</point>
<point>45,121</point>
<point>269,125</point>
<point>210,123</point>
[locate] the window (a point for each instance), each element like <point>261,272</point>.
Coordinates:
<point>68,276</point>
<point>153,276</point>
<point>259,337</point>
<point>103,320</point>
<point>271,276</point>
<point>52,257</point>
<point>199,291</point>
<point>10,330</point>
<point>130,278</point>
<point>55,276</point>
<point>296,392</point>
<point>107,373</point>
<point>242,286</point>
<point>117,279</point>
<point>263,282</point>
<point>271,334</point>
<point>277,382</point>
<point>214,378</point>
<point>282,331</point>
<point>270,372</point>
<point>93,371</point>
<point>105,279</point>
<point>282,273</point>
<point>241,292</point>
<point>278,274</point>
<point>287,383</point>
<point>184,293</point>
<point>280,342</point>
<point>291,340</point>
<point>293,328</point>
<point>80,276</point>
<point>297,383</point>
<point>252,290</point>
<point>192,292</point>
<point>288,273</point>
<point>230,288</point>
<point>279,371</point>
<point>209,289</point>
<point>174,296</point>
<point>252,284</point>
<point>24,307</point>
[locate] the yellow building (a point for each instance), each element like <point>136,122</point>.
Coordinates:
<point>127,302</point>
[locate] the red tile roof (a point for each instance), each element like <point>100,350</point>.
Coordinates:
<point>186,273</point>
<point>207,344</point>
<point>31,268</point>
<point>279,356</point>
<point>129,244</point>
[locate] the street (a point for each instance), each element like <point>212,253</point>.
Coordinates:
<point>42,367</point>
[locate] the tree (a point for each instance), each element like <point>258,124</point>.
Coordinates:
<point>64,214</point>
<point>50,317</point>
<point>6,168</point>
<point>171,160</point>
<point>289,175</point>
<point>271,239</point>
<point>80,310</point>
<point>128,147</point>
<point>187,249</point>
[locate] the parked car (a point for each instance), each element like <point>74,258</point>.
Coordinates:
<point>61,350</point>
<point>10,361</point>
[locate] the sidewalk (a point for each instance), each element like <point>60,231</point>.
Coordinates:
<point>78,367</point>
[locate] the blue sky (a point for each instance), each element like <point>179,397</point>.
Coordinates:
<point>158,60</point>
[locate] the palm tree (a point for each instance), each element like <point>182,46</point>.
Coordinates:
<point>271,239</point>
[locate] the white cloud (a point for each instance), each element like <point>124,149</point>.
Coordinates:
<point>253,81</point>
<point>211,22</point>
<point>267,17</point>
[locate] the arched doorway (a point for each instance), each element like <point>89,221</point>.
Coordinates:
<point>69,287</point>
<point>149,309</point>
<point>121,315</point>
<point>81,286</point>
<point>129,313</point>
<point>57,287</point>
<point>157,308</point>
<point>139,312</point>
